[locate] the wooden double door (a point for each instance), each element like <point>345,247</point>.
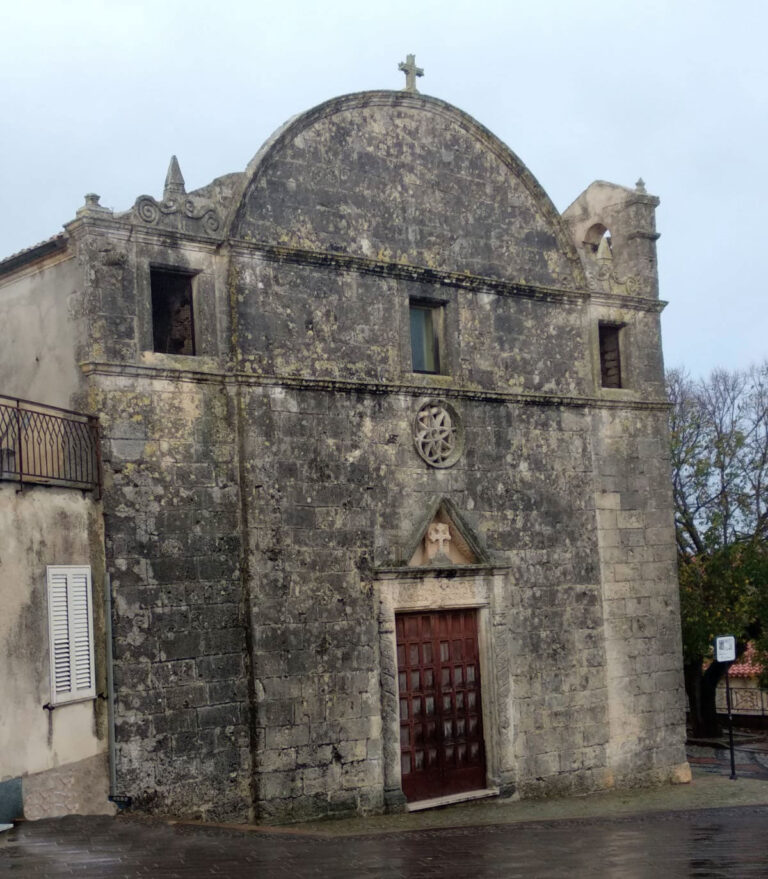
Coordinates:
<point>441,722</point>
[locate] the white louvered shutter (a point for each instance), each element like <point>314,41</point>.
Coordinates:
<point>71,633</point>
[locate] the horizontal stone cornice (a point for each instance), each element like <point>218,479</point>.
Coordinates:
<point>403,271</point>
<point>646,235</point>
<point>167,237</point>
<point>156,373</point>
<point>352,386</point>
<point>637,303</point>
<point>443,572</point>
<point>122,228</point>
<point>437,277</point>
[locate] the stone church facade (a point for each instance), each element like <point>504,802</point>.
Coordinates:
<point>386,500</point>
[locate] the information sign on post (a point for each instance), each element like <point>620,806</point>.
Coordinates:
<point>725,651</point>
<point>725,648</point>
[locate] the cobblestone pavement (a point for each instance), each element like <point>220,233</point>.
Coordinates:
<point>706,844</point>
<point>751,759</point>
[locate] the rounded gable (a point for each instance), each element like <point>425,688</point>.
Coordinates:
<point>402,177</point>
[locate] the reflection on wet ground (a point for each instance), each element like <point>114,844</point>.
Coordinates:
<point>707,844</point>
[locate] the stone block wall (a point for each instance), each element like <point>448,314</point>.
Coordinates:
<point>307,494</point>
<point>559,666</point>
<point>297,320</point>
<point>640,597</point>
<point>459,200</point>
<point>173,553</point>
<point>333,488</point>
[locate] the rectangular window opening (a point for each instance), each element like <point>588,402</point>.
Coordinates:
<point>173,330</point>
<point>610,356</point>
<point>426,332</point>
<point>70,627</point>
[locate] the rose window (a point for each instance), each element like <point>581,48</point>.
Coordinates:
<point>437,434</point>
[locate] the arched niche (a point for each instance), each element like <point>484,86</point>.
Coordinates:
<point>597,241</point>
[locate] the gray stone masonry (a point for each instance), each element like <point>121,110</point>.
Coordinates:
<point>264,497</point>
<point>173,548</point>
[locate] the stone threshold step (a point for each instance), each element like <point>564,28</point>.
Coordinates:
<point>451,799</point>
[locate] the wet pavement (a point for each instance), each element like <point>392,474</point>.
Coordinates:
<point>750,755</point>
<point>659,833</point>
<point>701,844</point>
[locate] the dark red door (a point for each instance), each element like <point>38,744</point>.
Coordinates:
<point>441,723</point>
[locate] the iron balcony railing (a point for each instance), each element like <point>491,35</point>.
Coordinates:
<point>48,445</point>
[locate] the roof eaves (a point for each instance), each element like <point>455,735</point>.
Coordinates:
<point>50,245</point>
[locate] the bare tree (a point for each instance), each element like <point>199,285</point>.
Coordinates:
<point>719,439</point>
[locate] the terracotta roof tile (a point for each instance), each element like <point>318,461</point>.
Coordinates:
<point>748,666</point>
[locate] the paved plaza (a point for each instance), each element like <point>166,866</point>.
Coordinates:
<point>660,834</point>
<point>705,844</point>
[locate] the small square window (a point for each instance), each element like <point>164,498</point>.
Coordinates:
<point>610,356</point>
<point>173,330</point>
<point>426,332</point>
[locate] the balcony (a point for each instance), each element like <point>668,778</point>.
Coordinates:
<point>46,445</point>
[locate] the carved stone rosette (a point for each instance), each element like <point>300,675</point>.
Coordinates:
<point>438,434</point>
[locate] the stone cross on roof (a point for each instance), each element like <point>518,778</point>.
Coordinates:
<point>411,71</point>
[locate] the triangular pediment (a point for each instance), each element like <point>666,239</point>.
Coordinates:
<point>444,540</point>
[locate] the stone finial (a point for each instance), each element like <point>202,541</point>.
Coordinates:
<point>640,185</point>
<point>174,182</point>
<point>411,71</point>
<point>92,205</point>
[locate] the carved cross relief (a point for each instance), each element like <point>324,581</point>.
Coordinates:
<point>442,544</point>
<point>438,534</point>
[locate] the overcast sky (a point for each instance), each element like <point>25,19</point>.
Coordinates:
<point>96,96</point>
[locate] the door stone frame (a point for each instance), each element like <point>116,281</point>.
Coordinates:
<point>476,587</point>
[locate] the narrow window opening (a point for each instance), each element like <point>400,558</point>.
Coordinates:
<point>426,327</point>
<point>70,629</point>
<point>610,356</point>
<point>173,329</point>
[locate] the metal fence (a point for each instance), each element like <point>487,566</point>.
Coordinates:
<point>744,700</point>
<point>48,445</point>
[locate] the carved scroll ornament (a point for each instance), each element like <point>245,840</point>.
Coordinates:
<point>150,211</point>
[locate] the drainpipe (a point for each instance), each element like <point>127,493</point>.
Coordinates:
<point>110,686</point>
<point>121,802</point>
